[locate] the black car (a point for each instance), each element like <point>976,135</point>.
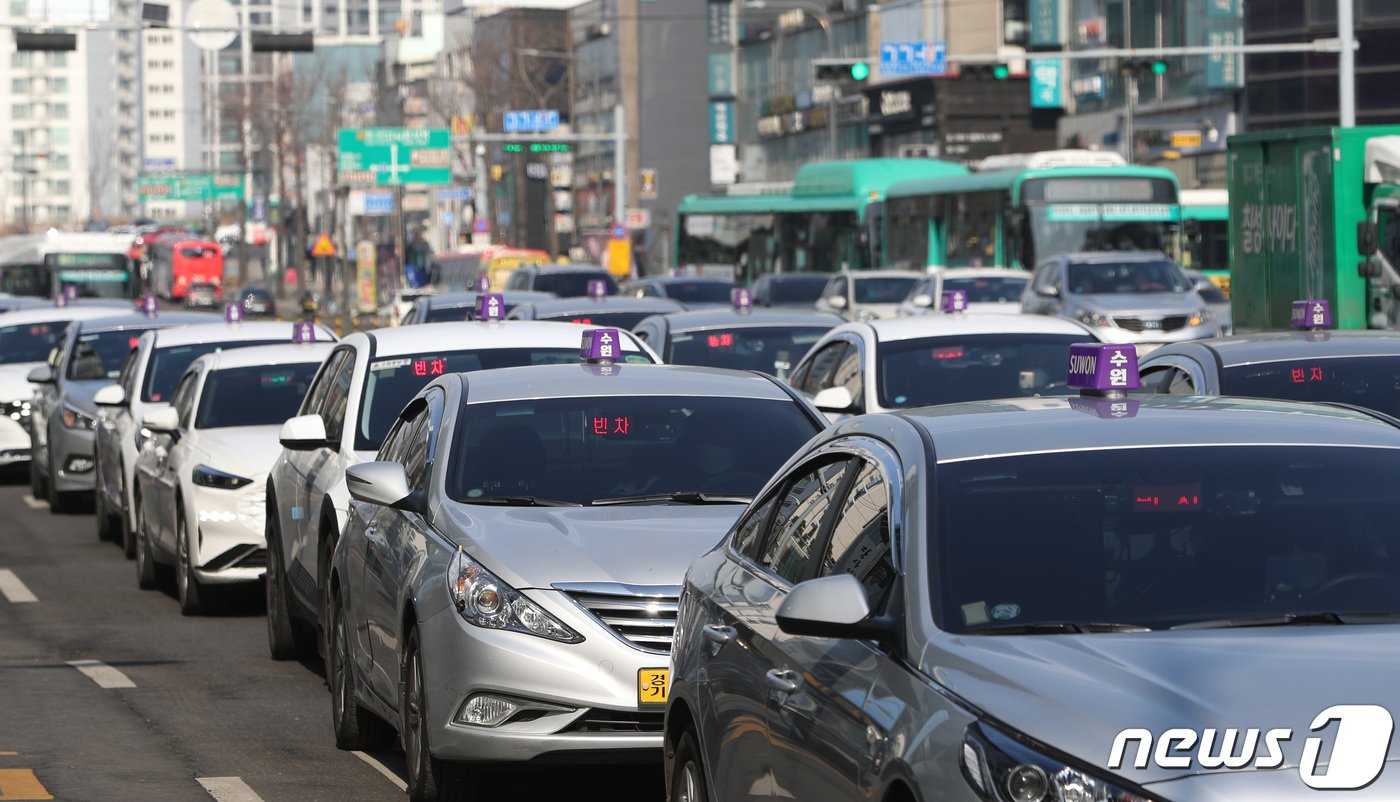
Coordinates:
<point>789,289</point>
<point>256,302</point>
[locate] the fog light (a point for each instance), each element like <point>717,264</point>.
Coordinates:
<point>1027,784</point>
<point>78,465</point>
<point>491,710</point>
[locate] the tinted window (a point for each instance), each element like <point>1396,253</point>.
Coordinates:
<point>1372,382</point>
<point>278,389</point>
<point>748,537</point>
<point>800,290</point>
<point>883,290</point>
<point>620,320</point>
<point>571,284</point>
<point>1165,536</point>
<point>946,370</point>
<point>820,367</point>
<point>698,292</point>
<point>771,350</point>
<point>1109,278</point>
<point>447,314</point>
<point>30,342</point>
<point>860,537</point>
<point>100,355</point>
<point>989,289</point>
<point>583,449</point>
<point>792,539</point>
<point>163,372</point>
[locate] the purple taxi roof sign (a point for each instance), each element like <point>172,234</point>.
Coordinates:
<point>70,291</point>
<point>597,288</point>
<point>149,305</point>
<point>741,298</point>
<point>955,300</point>
<point>601,345</point>
<point>1106,408</point>
<point>233,313</point>
<point>483,282</point>
<point>490,306</point>
<point>1312,314</point>
<point>303,331</point>
<point>60,300</point>
<point>1103,367</point>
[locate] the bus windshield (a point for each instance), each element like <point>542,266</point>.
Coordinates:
<point>1075,228</point>
<point>95,275</point>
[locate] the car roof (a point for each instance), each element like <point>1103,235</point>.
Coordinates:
<point>1045,425</point>
<point>823,277</point>
<point>453,299</point>
<point>564,381</point>
<point>253,356</point>
<point>1277,346</point>
<point>567,268</point>
<point>986,272</point>
<point>1093,257</point>
<point>864,274</point>
<point>664,280</point>
<point>272,331</point>
<point>610,303</point>
<point>458,335</point>
<point>135,321</point>
<point>912,328</point>
<point>63,314</point>
<point>724,317</point>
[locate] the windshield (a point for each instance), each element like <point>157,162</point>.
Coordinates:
<point>1126,278</point>
<point>278,389</point>
<point>1066,228</point>
<point>583,449</point>
<point>772,350</point>
<point>391,383</point>
<point>950,370</point>
<point>699,292</point>
<point>1158,537</point>
<point>168,364</point>
<point>887,290</point>
<point>989,289</point>
<point>29,342</point>
<point>796,289</point>
<point>100,355</point>
<point>620,320</point>
<point>448,314</point>
<point>572,284</point>
<point>1372,382</point>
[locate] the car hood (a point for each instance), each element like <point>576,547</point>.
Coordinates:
<point>1077,692</point>
<point>247,451</point>
<point>14,384</point>
<point>1155,303</point>
<point>537,547</point>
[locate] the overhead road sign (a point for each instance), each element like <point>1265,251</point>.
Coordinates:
<point>530,121</point>
<point>913,58</point>
<point>394,156</point>
<point>190,187</point>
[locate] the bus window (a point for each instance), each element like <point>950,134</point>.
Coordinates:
<point>744,241</point>
<point>972,229</point>
<point>1388,231</point>
<point>907,233</point>
<point>819,242</point>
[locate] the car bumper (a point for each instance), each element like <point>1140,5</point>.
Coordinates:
<point>231,542</point>
<point>1156,337</point>
<point>596,679</point>
<point>73,460</point>
<point>14,441</point>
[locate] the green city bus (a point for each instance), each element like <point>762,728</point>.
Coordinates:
<point>1017,210</point>
<point>1205,217</point>
<point>828,221</point>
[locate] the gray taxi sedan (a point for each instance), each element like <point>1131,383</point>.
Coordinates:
<point>507,593</point>
<point>1053,600</point>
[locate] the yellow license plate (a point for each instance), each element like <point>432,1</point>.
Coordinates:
<point>652,685</point>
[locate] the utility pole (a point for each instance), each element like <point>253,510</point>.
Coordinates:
<point>1346,65</point>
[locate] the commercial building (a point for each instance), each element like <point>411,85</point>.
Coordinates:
<point>171,108</point>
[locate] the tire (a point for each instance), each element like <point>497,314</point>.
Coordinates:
<point>284,642</point>
<point>147,577</point>
<point>428,777</point>
<point>187,588</point>
<point>354,726</point>
<point>128,532</point>
<point>688,772</point>
<point>107,528</point>
<point>59,503</point>
<point>36,485</point>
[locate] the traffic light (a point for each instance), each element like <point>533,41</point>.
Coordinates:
<point>29,41</point>
<point>283,42</point>
<point>985,72</point>
<point>1142,67</point>
<point>836,70</point>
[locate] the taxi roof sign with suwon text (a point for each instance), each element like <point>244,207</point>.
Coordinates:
<point>600,345</point>
<point>1312,314</point>
<point>490,306</point>
<point>1103,367</point>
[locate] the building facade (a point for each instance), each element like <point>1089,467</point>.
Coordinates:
<point>171,108</point>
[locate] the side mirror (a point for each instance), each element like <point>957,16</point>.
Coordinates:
<point>304,433</point>
<point>161,419</point>
<point>836,301</point>
<point>923,300</point>
<point>110,396</point>
<point>1049,292</point>
<point>384,484</point>
<point>41,375</point>
<point>832,607</point>
<point>1367,238</point>
<point>834,399</point>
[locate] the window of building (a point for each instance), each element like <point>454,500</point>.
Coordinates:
<point>228,65</point>
<point>58,161</point>
<point>22,111</point>
<point>58,111</point>
<point>21,58</point>
<point>62,186</point>
<point>59,135</point>
<point>63,211</point>
<point>58,59</point>
<point>19,86</point>
<point>17,8</point>
<point>59,85</point>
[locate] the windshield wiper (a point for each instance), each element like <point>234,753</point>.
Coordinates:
<point>681,496</point>
<point>1056,628</point>
<point>521,501</point>
<point>1289,619</point>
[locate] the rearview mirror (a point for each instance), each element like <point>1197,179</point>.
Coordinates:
<point>162,419</point>
<point>110,396</point>
<point>1367,238</point>
<point>836,301</point>
<point>384,484</point>
<point>41,375</point>
<point>303,433</point>
<point>832,607</point>
<point>834,399</point>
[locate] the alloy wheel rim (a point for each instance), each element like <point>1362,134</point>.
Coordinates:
<point>339,659</point>
<point>412,710</point>
<point>182,578</point>
<point>690,785</point>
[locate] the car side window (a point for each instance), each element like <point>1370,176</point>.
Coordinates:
<point>847,373</point>
<point>820,368</point>
<point>317,394</point>
<point>183,399</point>
<point>1153,380</point>
<point>1179,382</point>
<point>748,535</point>
<point>799,520</point>
<point>860,542</point>
<point>518,280</point>
<point>127,379</point>
<point>332,407</point>
<point>410,318</point>
<point>1044,278</point>
<point>414,453</point>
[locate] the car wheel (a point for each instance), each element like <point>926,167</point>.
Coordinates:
<point>354,726</point>
<point>687,772</point>
<point>146,577</point>
<point>283,640</point>
<point>428,777</point>
<point>59,503</point>
<point>106,526</point>
<point>36,483</point>
<point>129,533</point>
<point>187,588</point>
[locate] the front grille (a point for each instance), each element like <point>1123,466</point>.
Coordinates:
<point>597,720</point>
<point>1173,323</point>
<point>647,622</point>
<point>1154,324</point>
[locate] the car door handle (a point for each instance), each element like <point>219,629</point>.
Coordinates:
<point>719,635</point>
<point>784,681</point>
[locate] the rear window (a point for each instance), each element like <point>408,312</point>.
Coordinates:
<point>573,284</point>
<point>168,364</point>
<point>620,320</point>
<point>278,389</point>
<point>989,289</point>
<point>699,292</point>
<point>30,342</point>
<point>796,289</point>
<point>100,355</point>
<point>883,290</point>
<point>1371,382</point>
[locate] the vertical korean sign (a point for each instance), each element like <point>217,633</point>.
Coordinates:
<point>367,275</point>
<point>1044,19</point>
<point>1046,78</point>
<point>1224,28</point>
<point>721,83</point>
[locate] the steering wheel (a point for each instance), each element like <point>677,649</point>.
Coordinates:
<point>1356,577</point>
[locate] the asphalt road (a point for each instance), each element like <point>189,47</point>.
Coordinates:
<point>176,708</point>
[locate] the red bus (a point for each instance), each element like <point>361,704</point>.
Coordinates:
<point>177,261</point>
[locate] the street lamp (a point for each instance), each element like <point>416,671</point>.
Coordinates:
<point>819,14</point>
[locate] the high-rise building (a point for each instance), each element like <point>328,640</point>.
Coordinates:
<point>172,103</point>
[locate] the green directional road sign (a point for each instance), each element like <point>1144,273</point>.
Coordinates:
<point>391,156</point>
<point>190,187</point>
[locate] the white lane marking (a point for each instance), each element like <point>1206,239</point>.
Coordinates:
<point>104,675</point>
<point>15,590</point>
<point>382,769</point>
<point>229,789</point>
<point>34,503</point>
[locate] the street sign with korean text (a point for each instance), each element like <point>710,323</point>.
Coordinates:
<point>1046,77</point>
<point>190,187</point>
<point>393,156</point>
<point>455,194</point>
<point>913,58</point>
<point>530,121</point>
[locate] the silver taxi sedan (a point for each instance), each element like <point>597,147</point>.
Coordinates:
<point>769,340</point>
<point>508,592</point>
<point>1053,600</point>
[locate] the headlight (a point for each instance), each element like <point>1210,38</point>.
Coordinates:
<point>1094,319</point>
<point>1201,317</point>
<point>73,419</point>
<point>206,476</point>
<point>485,601</point>
<point>1002,769</point>
<point>15,410</point>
